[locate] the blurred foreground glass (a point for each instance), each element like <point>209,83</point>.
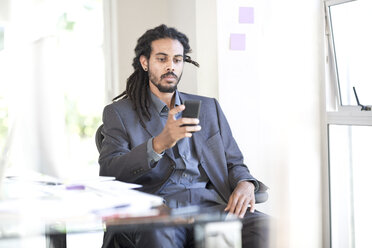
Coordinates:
<point>350,165</point>
<point>352,39</point>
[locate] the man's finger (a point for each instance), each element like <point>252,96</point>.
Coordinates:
<point>229,204</point>
<point>175,110</point>
<point>239,206</point>
<point>189,121</point>
<point>233,206</point>
<point>227,207</point>
<point>253,205</point>
<point>244,209</point>
<point>191,129</point>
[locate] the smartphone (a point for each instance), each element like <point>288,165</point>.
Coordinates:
<point>192,109</point>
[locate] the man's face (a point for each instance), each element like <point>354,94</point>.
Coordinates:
<point>165,64</point>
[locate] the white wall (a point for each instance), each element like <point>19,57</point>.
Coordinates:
<point>206,48</point>
<point>272,95</point>
<point>4,10</point>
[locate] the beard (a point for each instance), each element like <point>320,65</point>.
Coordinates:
<point>168,88</point>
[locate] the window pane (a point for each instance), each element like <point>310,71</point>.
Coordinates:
<point>52,86</point>
<point>352,35</point>
<point>350,184</point>
<point>4,118</point>
<point>1,38</point>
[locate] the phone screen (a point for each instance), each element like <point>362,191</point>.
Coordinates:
<point>192,109</point>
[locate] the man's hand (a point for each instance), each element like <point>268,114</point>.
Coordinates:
<point>173,130</point>
<point>241,197</point>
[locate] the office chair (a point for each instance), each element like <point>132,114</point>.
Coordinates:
<point>99,138</point>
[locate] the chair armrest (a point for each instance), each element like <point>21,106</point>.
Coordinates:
<point>261,197</point>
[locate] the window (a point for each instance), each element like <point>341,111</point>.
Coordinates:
<point>349,127</point>
<point>351,39</point>
<point>4,94</point>
<point>350,183</point>
<point>52,85</point>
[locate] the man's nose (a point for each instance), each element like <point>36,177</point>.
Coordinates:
<point>170,66</point>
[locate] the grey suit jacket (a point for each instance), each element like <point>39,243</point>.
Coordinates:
<point>124,151</point>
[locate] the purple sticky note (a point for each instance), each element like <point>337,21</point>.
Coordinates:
<point>246,15</point>
<point>237,41</point>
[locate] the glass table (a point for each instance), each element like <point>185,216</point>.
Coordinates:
<point>55,210</point>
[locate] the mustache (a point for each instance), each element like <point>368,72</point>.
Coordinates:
<point>169,74</point>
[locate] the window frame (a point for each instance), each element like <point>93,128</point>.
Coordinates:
<point>335,113</point>
<point>334,92</point>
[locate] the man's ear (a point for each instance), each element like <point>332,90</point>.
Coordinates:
<point>144,63</point>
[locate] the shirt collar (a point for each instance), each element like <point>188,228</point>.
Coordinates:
<point>160,105</point>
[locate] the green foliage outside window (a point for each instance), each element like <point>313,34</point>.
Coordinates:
<point>85,125</point>
<point>65,24</point>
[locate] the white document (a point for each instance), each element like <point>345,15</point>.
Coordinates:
<point>98,198</point>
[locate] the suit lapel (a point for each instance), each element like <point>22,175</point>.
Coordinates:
<point>153,126</point>
<point>198,139</point>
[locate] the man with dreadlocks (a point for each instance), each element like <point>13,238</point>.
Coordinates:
<point>147,142</point>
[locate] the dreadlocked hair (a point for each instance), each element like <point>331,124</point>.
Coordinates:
<point>138,83</point>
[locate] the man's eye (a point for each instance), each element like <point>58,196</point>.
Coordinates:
<point>178,60</point>
<point>161,59</point>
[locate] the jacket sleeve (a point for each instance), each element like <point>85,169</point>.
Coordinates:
<point>117,157</point>
<point>237,170</point>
